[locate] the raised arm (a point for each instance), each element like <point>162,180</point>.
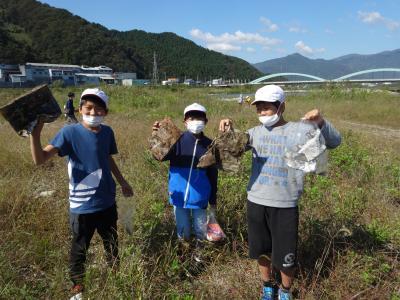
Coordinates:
<point>331,135</point>
<point>40,155</point>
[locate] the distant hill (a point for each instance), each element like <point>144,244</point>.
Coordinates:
<point>36,32</point>
<point>330,69</point>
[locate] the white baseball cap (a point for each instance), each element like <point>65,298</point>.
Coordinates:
<point>269,93</point>
<point>96,92</point>
<point>194,107</point>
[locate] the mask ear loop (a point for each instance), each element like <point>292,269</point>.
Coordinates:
<point>277,111</point>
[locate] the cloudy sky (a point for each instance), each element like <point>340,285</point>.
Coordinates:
<point>257,30</point>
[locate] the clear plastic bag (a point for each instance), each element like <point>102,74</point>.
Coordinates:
<point>214,230</point>
<point>311,156</point>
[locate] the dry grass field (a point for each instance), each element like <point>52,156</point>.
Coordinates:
<point>349,220</point>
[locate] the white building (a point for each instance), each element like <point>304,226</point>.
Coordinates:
<point>46,73</point>
<point>90,79</point>
<point>69,74</point>
<point>93,79</point>
<point>96,70</point>
<point>217,81</point>
<point>126,79</point>
<point>6,71</point>
<point>122,76</point>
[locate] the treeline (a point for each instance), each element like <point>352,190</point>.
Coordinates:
<point>35,32</point>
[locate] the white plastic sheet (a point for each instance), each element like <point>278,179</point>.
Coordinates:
<point>310,156</point>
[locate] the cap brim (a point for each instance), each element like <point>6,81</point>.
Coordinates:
<point>196,111</point>
<point>91,95</point>
<point>95,96</point>
<point>255,101</point>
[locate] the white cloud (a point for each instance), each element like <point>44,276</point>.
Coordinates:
<point>229,42</point>
<point>237,37</point>
<point>223,47</point>
<point>370,17</point>
<point>307,50</point>
<point>268,24</point>
<point>375,17</point>
<point>329,31</point>
<point>297,29</point>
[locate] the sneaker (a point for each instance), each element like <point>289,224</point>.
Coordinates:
<point>268,293</point>
<point>284,295</point>
<point>77,290</point>
<point>197,252</point>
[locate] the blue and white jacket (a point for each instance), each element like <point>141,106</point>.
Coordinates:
<point>189,186</point>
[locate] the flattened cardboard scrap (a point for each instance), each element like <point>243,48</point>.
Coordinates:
<point>162,140</point>
<point>24,111</point>
<point>225,151</point>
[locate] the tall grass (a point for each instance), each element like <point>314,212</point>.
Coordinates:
<point>349,220</point>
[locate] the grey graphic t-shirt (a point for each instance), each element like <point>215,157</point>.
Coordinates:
<point>272,182</point>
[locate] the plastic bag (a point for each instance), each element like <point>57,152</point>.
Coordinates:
<point>311,156</point>
<point>214,230</point>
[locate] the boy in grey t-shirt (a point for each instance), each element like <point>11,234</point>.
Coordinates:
<point>274,189</point>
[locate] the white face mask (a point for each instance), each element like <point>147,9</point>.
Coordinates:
<point>93,121</point>
<point>269,121</point>
<point>195,126</point>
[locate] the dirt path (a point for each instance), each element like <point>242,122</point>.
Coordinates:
<point>370,129</point>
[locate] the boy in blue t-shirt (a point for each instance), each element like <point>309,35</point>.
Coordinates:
<point>89,146</point>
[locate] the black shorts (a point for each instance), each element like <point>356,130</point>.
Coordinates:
<point>272,232</point>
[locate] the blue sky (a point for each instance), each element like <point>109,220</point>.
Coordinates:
<point>257,30</point>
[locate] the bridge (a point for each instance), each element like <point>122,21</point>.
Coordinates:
<point>319,80</point>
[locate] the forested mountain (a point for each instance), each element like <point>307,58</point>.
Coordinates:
<point>35,32</point>
<point>333,68</point>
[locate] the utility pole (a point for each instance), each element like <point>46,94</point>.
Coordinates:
<point>155,70</point>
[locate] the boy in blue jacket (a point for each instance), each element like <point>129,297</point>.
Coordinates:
<point>191,189</point>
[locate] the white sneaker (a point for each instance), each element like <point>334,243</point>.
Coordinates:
<point>78,296</point>
<point>77,290</point>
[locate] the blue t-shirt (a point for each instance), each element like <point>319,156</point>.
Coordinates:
<point>91,186</point>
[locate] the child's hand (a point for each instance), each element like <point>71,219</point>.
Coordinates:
<point>38,128</point>
<point>127,190</point>
<point>156,126</point>
<point>225,124</point>
<point>315,116</point>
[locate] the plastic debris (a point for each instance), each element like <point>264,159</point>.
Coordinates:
<point>162,140</point>
<point>24,112</point>
<point>225,151</point>
<point>45,194</point>
<point>311,156</point>
<point>214,230</point>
